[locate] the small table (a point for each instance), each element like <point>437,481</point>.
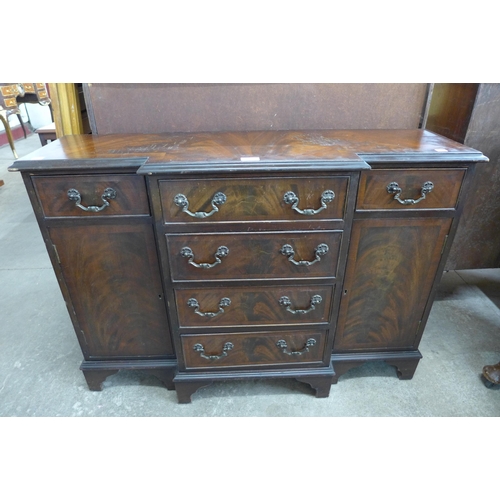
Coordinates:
<point>47,133</point>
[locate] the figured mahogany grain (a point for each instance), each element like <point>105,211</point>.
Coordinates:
<point>113,278</point>
<point>391,268</point>
<point>386,267</point>
<point>253,255</point>
<point>254,199</point>
<point>252,349</point>
<point>229,147</point>
<point>131,196</point>
<point>254,306</point>
<point>373,195</point>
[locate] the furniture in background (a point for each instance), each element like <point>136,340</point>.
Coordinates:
<point>470,113</point>
<point>46,133</point>
<point>70,114</point>
<point>200,257</point>
<point>11,95</point>
<point>466,113</point>
<point>142,108</point>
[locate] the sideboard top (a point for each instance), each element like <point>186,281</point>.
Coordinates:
<point>155,153</point>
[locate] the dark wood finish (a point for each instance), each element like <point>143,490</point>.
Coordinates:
<point>47,134</point>
<point>451,109</point>
<point>187,384</point>
<point>113,280</point>
<point>320,384</point>
<point>186,389</point>
<point>254,255</point>
<point>127,285</point>
<point>405,368</point>
<point>289,151</point>
<point>252,349</point>
<point>95,378</point>
<point>254,199</point>
<point>392,266</point>
<point>131,197</point>
<point>96,372</point>
<point>197,107</point>
<point>405,362</point>
<point>254,306</point>
<point>373,193</point>
<point>477,242</point>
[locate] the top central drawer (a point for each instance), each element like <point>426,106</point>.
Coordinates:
<point>268,199</point>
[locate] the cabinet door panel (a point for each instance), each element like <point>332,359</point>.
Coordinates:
<point>113,277</point>
<point>391,270</point>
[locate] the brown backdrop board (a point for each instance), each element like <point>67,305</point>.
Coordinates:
<point>160,107</point>
<point>477,243</point>
<point>470,113</point>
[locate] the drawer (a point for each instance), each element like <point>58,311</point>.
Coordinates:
<point>248,349</point>
<point>253,306</point>
<point>230,200</point>
<point>128,195</point>
<point>373,189</point>
<point>244,256</point>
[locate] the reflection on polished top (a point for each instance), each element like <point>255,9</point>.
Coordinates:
<point>350,148</point>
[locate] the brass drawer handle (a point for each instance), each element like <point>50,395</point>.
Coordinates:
<point>283,346</point>
<point>109,194</point>
<point>319,251</point>
<point>199,348</point>
<point>188,254</point>
<point>393,188</point>
<point>291,198</point>
<point>286,302</point>
<point>181,201</point>
<point>224,302</point>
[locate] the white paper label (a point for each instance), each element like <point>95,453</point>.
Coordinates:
<point>249,158</point>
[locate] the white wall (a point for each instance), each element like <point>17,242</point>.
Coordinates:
<point>37,115</point>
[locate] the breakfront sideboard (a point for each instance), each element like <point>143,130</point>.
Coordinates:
<point>213,256</point>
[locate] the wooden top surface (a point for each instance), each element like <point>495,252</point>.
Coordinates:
<point>154,153</point>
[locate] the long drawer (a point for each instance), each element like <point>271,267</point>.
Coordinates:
<point>398,189</point>
<point>253,306</point>
<point>249,349</point>
<point>244,200</point>
<point>243,256</point>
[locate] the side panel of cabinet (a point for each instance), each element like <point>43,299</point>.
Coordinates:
<point>391,268</point>
<point>113,278</point>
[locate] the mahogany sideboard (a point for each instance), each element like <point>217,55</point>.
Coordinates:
<point>214,256</point>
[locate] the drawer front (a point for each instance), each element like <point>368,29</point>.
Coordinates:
<point>253,199</point>
<point>243,256</point>
<point>129,198</point>
<point>373,193</point>
<point>253,306</point>
<point>248,349</point>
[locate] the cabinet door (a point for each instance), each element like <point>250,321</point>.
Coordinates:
<point>113,278</point>
<point>391,269</point>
